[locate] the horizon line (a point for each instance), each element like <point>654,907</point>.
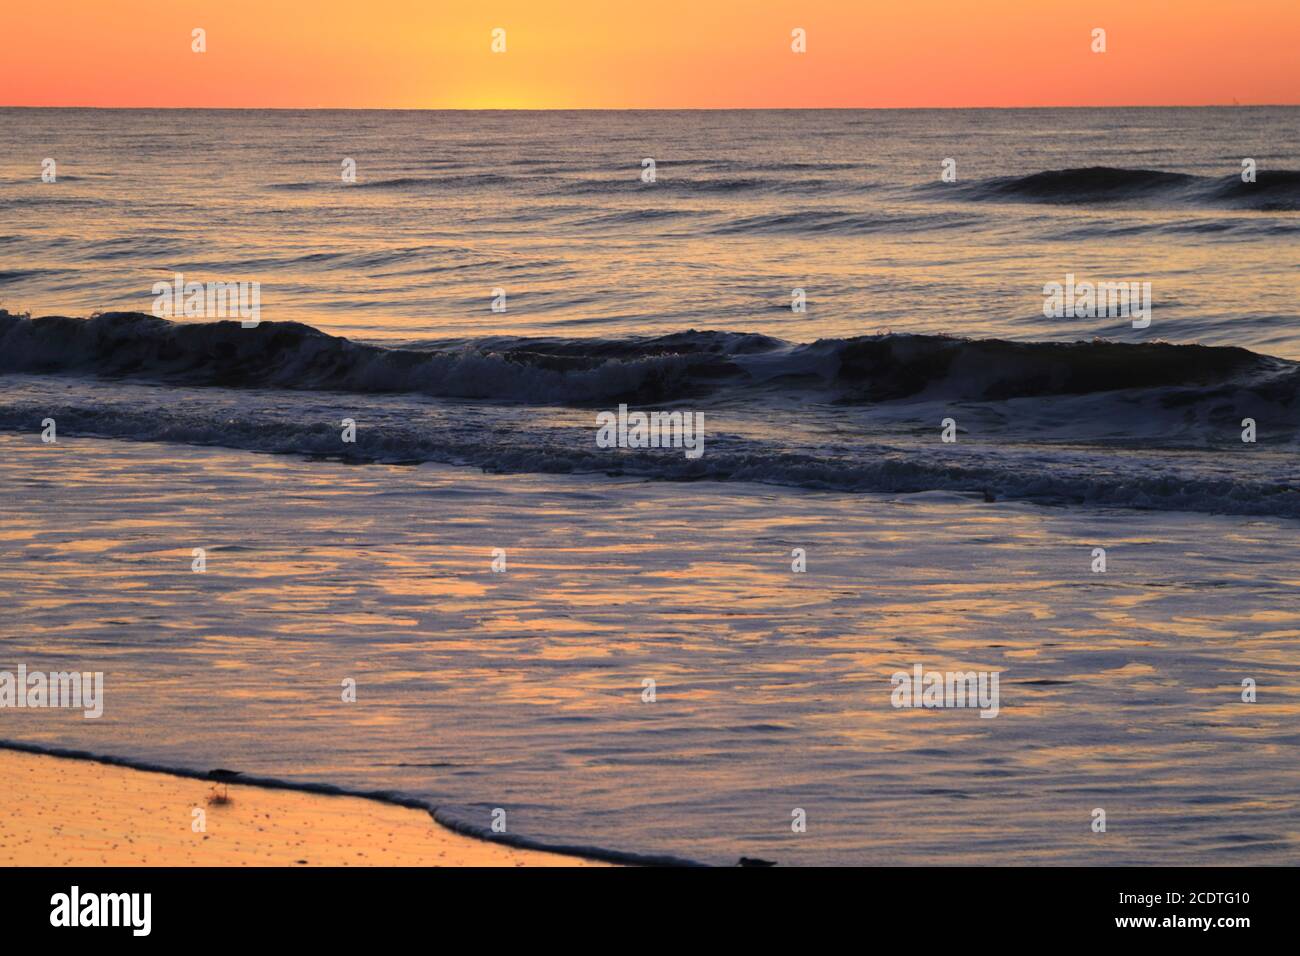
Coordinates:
<point>656,109</point>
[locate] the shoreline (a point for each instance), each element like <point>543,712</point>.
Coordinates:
<point>70,808</point>
<point>525,689</point>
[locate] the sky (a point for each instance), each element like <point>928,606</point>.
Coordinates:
<point>660,54</point>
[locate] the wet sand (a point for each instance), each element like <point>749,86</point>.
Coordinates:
<point>62,812</point>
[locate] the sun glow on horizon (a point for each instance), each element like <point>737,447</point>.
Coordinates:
<point>588,54</point>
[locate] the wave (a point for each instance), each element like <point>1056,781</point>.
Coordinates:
<point>633,217</point>
<point>1275,190</point>
<point>1150,425</point>
<point>721,185</point>
<point>850,462</point>
<point>22,275</point>
<point>559,371</point>
<point>290,355</point>
<point>888,367</point>
<point>413,183</point>
<point>839,222</point>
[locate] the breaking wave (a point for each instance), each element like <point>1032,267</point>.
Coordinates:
<point>1146,425</point>
<point>551,371</point>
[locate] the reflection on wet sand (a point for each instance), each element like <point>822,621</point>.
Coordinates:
<point>523,689</point>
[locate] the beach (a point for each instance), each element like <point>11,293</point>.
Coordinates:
<point>64,812</point>
<point>310,471</point>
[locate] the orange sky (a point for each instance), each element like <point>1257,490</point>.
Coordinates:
<point>653,54</point>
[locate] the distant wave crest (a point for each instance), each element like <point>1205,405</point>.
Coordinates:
<point>1275,190</point>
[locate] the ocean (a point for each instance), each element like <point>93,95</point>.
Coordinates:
<point>882,388</point>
